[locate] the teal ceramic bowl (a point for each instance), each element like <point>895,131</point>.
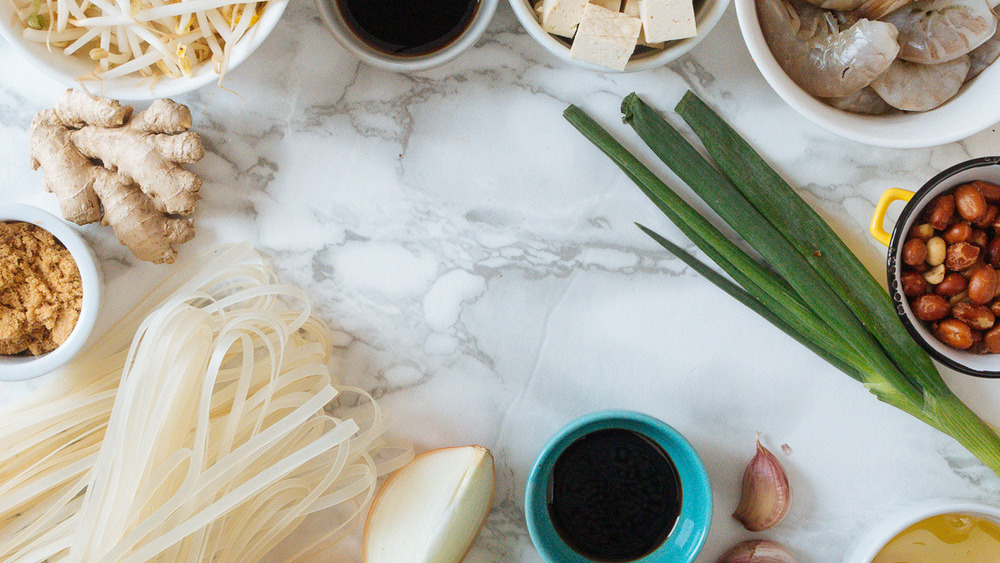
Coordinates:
<point>689,533</point>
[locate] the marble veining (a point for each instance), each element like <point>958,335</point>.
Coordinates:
<point>479,262</point>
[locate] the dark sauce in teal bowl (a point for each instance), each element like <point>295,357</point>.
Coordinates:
<point>614,495</point>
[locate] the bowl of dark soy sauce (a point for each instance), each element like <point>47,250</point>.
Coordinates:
<point>616,486</point>
<point>407,35</point>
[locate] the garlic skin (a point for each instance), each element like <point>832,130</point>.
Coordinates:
<point>757,551</point>
<point>766,495</point>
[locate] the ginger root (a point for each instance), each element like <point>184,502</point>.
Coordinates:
<point>103,163</point>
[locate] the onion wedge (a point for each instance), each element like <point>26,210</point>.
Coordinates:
<point>432,509</point>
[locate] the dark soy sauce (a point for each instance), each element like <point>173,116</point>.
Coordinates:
<point>614,495</point>
<point>408,28</point>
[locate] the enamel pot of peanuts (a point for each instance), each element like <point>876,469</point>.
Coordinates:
<point>106,163</point>
<point>943,261</point>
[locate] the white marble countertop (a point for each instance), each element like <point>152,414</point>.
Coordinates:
<point>480,258</point>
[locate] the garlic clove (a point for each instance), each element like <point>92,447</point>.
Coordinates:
<point>432,509</point>
<point>766,495</point>
<point>757,551</point>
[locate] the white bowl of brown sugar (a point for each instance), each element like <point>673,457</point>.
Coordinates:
<point>50,292</point>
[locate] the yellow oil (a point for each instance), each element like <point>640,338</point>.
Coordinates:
<point>945,538</point>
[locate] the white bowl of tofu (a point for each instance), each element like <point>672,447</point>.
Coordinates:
<point>618,35</point>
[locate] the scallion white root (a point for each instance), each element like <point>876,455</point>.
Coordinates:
<point>202,431</point>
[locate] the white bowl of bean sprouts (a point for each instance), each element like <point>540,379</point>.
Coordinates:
<point>154,60</point>
<point>973,109</point>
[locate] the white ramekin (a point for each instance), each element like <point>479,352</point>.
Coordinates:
<point>335,22</point>
<point>707,15</point>
<point>884,530</point>
<point>66,69</point>
<point>18,368</point>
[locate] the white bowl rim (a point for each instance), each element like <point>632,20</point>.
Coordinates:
<point>884,530</point>
<point>706,21</point>
<point>128,87</point>
<point>851,126</point>
<point>480,21</point>
<point>19,368</point>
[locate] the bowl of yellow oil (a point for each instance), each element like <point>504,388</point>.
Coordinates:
<point>934,532</point>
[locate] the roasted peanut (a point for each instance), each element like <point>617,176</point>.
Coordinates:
<point>960,256</point>
<point>956,288</point>
<point>959,232</point>
<point>978,317</point>
<point>987,219</point>
<point>993,252</point>
<point>929,307</point>
<point>979,263</point>
<point>992,339</point>
<point>937,251</point>
<point>979,238</point>
<point>971,204</point>
<point>935,275</point>
<point>954,333</point>
<point>952,284</point>
<point>978,346</point>
<point>991,192</point>
<point>940,211</point>
<point>914,251</point>
<point>913,284</point>
<point>983,285</point>
<point>977,336</point>
<point>922,231</point>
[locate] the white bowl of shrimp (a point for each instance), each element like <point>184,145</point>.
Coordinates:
<point>157,50</point>
<point>835,61</point>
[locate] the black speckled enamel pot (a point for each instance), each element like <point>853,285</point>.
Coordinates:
<point>986,168</point>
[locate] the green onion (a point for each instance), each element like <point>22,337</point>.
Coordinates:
<point>810,235</point>
<point>818,292</point>
<point>769,287</point>
<point>830,257</point>
<point>734,208</point>
<point>736,292</point>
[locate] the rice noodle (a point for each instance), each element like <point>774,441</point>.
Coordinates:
<point>155,32</point>
<point>202,431</point>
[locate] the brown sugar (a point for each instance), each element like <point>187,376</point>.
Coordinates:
<point>40,290</point>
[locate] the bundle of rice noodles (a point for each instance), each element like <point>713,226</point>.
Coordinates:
<point>206,426</point>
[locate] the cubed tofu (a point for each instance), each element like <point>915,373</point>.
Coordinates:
<point>631,8</point>
<point>561,17</point>
<point>613,5</point>
<point>666,20</point>
<point>605,37</point>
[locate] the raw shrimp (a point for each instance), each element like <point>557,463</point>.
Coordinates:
<point>877,9</point>
<point>984,55</point>
<point>917,87</point>
<point>865,100</point>
<point>816,55</point>
<point>936,31</point>
<point>840,5</point>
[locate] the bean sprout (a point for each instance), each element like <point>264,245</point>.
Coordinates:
<point>146,38</point>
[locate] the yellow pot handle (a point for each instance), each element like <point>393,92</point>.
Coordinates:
<point>877,228</point>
